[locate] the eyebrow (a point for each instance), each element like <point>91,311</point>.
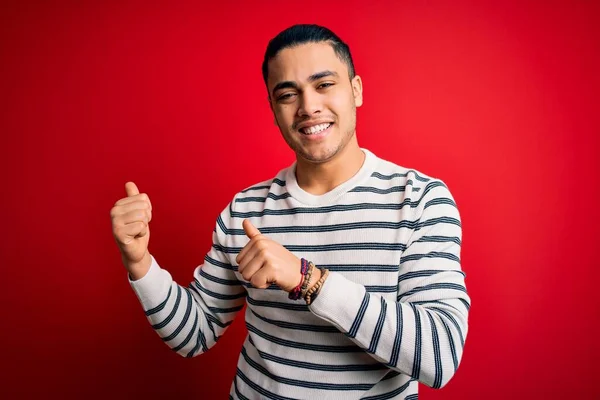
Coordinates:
<point>312,78</point>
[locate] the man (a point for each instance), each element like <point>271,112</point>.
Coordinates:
<point>349,264</point>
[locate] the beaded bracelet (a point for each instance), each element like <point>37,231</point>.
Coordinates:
<point>312,293</point>
<point>305,287</point>
<point>296,293</point>
<point>316,289</point>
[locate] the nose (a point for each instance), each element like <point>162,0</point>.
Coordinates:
<point>310,103</point>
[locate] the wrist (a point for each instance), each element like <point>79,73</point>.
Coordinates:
<point>309,278</point>
<point>296,292</point>
<point>138,270</point>
<point>316,275</point>
<point>312,293</point>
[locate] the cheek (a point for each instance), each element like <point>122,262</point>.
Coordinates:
<point>343,106</point>
<point>285,116</point>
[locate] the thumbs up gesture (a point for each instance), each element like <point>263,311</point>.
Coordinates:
<point>263,261</point>
<point>130,217</point>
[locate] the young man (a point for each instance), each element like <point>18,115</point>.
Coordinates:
<point>349,264</point>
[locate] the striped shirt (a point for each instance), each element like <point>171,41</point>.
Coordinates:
<point>392,313</point>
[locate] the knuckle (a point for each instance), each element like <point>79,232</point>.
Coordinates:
<point>119,235</point>
<point>256,282</point>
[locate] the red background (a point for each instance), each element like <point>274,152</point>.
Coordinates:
<point>500,101</point>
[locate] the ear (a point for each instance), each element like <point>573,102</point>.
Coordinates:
<point>357,90</point>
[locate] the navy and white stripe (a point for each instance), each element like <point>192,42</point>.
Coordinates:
<point>392,313</point>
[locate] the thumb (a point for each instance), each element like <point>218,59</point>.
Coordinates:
<point>250,229</point>
<point>131,189</point>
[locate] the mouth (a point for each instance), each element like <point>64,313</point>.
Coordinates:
<point>316,130</point>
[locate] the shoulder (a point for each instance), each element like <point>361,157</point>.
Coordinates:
<point>262,188</point>
<point>248,202</point>
<point>418,190</point>
<point>414,180</point>
<point>249,197</point>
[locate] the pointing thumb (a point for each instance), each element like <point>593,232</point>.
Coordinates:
<point>131,189</point>
<point>250,229</point>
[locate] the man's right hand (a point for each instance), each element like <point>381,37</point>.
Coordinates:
<point>130,217</point>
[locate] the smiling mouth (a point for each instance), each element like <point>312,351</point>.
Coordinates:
<point>313,130</point>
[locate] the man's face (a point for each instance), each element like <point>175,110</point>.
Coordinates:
<point>313,100</point>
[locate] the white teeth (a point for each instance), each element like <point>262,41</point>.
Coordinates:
<point>315,129</point>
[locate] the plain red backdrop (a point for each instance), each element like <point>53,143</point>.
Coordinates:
<point>500,101</point>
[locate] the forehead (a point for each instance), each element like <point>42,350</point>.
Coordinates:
<point>299,62</point>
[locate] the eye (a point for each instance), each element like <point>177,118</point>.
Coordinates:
<point>324,85</point>
<point>285,96</point>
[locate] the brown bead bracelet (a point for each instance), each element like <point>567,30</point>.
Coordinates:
<point>312,293</point>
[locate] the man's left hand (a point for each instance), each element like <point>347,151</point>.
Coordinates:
<point>264,262</point>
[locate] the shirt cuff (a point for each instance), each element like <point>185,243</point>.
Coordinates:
<point>152,288</point>
<point>338,300</point>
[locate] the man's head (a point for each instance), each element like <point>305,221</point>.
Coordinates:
<point>312,86</point>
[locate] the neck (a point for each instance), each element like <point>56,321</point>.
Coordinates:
<point>320,178</point>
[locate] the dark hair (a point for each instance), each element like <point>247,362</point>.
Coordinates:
<point>306,33</point>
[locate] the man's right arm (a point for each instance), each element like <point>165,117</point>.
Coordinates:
<point>190,320</point>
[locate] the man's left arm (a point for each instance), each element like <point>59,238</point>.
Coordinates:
<point>421,333</point>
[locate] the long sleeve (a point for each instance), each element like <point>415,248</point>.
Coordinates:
<point>422,332</point>
<point>190,320</point>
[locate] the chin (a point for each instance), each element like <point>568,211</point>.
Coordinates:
<point>319,156</point>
